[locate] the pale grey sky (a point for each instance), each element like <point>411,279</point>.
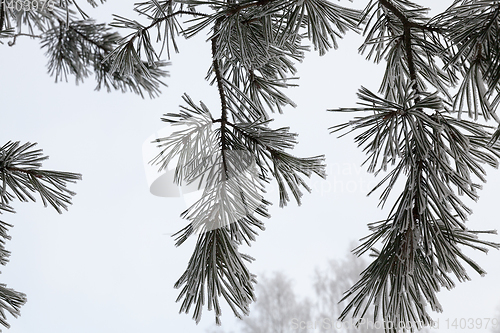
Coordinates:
<point>106,265</point>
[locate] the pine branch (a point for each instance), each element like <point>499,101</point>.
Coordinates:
<point>142,31</point>
<point>472,29</point>
<point>216,268</point>
<point>229,202</point>
<point>224,216</point>
<point>21,176</point>
<point>20,172</point>
<point>84,44</point>
<point>236,8</point>
<point>407,26</point>
<point>426,225</point>
<point>220,87</point>
<point>10,300</point>
<point>270,145</point>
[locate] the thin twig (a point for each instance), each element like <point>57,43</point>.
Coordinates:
<point>28,172</point>
<point>13,41</point>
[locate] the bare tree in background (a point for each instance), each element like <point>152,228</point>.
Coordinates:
<point>330,283</point>
<point>495,322</point>
<point>279,309</point>
<point>277,306</point>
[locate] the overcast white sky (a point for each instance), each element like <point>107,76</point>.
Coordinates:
<point>108,265</point>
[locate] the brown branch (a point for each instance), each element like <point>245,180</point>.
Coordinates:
<point>222,95</point>
<point>407,26</point>
<point>395,11</point>
<point>409,56</point>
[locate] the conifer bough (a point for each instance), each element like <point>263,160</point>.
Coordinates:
<point>20,177</point>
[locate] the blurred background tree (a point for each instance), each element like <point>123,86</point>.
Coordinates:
<point>279,309</point>
<point>495,325</point>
